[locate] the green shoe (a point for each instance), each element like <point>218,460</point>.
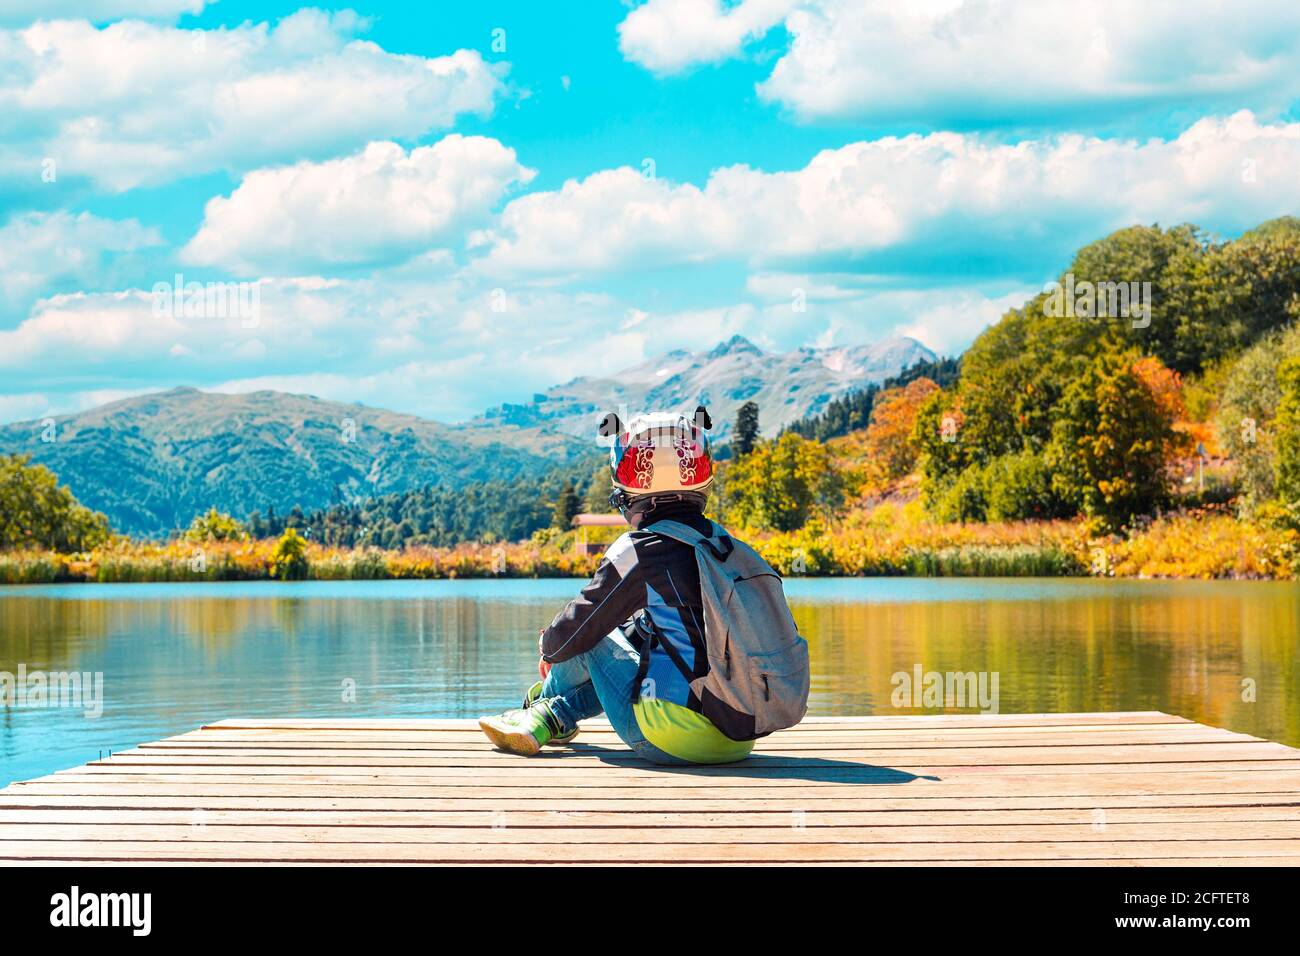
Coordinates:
<point>523,731</point>
<point>531,696</point>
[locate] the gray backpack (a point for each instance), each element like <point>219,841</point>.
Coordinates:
<point>758,664</point>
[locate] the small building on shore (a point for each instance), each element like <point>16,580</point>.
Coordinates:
<point>586,520</point>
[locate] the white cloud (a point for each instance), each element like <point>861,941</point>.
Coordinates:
<point>40,252</point>
<point>96,11</point>
<point>380,205</point>
<point>435,348</point>
<point>949,62</point>
<point>803,287</point>
<point>921,204</point>
<point>668,36</point>
<point>137,103</point>
<point>438,348</point>
<point>697,328</point>
<point>847,309</point>
<point>946,320</point>
<point>33,406</point>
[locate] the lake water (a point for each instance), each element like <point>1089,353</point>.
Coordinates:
<point>174,656</point>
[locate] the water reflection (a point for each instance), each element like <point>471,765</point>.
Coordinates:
<point>175,656</point>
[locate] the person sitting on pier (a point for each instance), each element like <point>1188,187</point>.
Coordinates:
<point>634,645</point>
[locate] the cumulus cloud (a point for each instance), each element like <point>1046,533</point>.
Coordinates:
<point>849,308</point>
<point>943,202</point>
<point>97,11</point>
<point>668,36</point>
<point>945,320</point>
<point>952,62</point>
<point>137,103</point>
<point>43,252</point>
<point>380,205</point>
<point>446,348</point>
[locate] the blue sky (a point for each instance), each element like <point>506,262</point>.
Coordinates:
<point>446,206</point>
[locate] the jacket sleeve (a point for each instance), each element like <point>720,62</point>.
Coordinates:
<point>616,592</point>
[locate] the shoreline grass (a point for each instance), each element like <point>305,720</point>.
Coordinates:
<point>889,541</point>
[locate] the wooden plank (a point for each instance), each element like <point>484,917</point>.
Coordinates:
<point>953,735</point>
<point>576,757</point>
<point>1138,781</point>
<point>1216,861</point>
<point>437,725</point>
<point>596,773</point>
<point>130,819</point>
<point>308,803</point>
<point>505,852</point>
<point>1107,789</point>
<point>506,831</point>
<point>886,740</point>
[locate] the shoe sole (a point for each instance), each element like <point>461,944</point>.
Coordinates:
<point>509,739</point>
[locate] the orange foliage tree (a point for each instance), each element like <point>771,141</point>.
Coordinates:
<point>1166,388</point>
<point>889,448</point>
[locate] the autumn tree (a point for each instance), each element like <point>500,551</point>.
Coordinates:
<point>215,526</point>
<point>289,561</point>
<point>890,446</point>
<point>1110,443</point>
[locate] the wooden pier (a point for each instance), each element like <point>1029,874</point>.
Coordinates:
<point>1129,789</point>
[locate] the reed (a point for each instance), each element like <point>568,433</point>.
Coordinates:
<point>891,539</point>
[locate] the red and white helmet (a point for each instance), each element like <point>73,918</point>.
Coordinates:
<point>660,452</point>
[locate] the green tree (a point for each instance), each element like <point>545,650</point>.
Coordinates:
<point>781,484</point>
<point>1208,302</point>
<point>746,434</point>
<point>1109,444</point>
<point>1013,487</point>
<point>37,512</point>
<point>1019,486</point>
<point>941,446</point>
<point>1262,272</point>
<point>289,562</point>
<point>215,526</point>
<point>596,498</point>
<point>1288,432</point>
<point>566,506</point>
<point>1248,406</point>
<point>964,498</point>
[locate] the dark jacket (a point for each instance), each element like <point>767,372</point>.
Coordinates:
<point>641,571</point>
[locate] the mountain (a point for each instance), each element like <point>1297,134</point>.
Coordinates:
<point>787,387</point>
<point>153,462</point>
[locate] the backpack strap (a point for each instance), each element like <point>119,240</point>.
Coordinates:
<point>721,546</point>
<point>649,638</point>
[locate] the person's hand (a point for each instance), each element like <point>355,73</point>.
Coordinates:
<point>543,665</point>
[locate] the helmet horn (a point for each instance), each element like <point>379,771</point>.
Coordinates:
<point>609,426</point>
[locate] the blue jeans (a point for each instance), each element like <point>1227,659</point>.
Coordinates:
<point>603,679</point>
